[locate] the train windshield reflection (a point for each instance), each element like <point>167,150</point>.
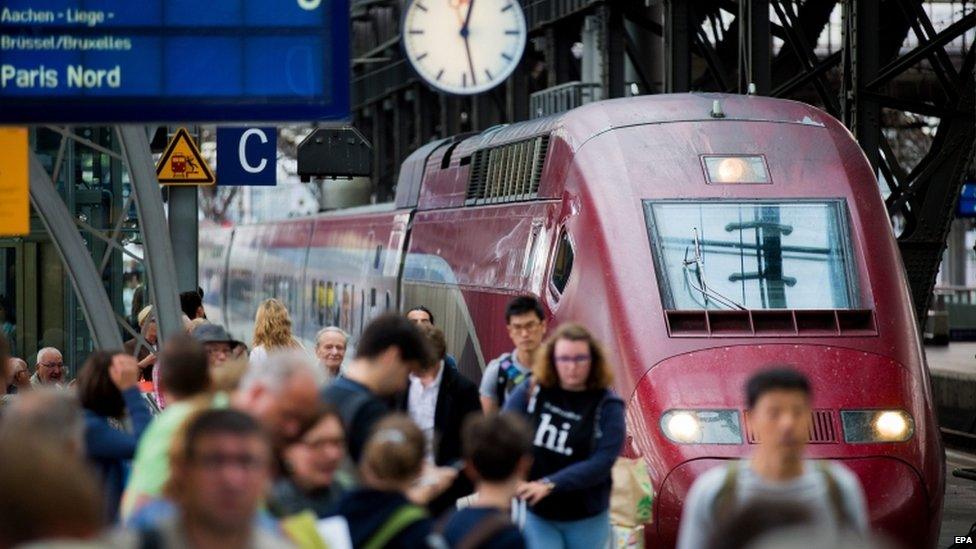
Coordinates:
<point>757,255</point>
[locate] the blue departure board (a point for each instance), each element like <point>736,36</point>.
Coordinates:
<point>105,61</point>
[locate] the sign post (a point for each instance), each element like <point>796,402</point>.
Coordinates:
<point>14,201</point>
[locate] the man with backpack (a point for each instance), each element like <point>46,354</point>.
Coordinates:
<point>526,321</point>
<point>388,350</point>
<point>779,408</point>
<point>497,457</point>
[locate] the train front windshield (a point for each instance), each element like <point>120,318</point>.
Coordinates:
<point>752,254</point>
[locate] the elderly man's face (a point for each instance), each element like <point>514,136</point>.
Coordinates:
<point>217,352</point>
<point>50,367</point>
<point>151,332</point>
<point>287,412</point>
<point>331,350</point>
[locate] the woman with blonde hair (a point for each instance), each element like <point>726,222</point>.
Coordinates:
<point>578,424</point>
<point>272,331</point>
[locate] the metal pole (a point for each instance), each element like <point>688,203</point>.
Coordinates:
<point>157,248</point>
<point>754,28</point>
<point>677,45</point>
<point>184,234</point>
<point>85,280</point>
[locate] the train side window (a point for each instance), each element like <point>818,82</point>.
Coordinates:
<point>372,297</point>
<point>388,300</point>
<point>376,261</point>
<point>563,265</point>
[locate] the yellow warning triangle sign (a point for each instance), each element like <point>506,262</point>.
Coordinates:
<point>182,164</point>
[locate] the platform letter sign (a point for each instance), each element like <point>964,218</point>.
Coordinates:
<point>14,208</point>
<point>247,156</point>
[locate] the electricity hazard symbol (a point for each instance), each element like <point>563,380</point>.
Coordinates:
<point>182,164</point>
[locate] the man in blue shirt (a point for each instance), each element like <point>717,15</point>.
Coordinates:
<point>526,321</point>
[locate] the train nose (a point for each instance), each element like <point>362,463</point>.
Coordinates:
<point>687,415</point>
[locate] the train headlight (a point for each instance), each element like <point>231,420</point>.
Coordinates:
<point>735,169</point>
<point>877,425</point>
<point>702,426</point>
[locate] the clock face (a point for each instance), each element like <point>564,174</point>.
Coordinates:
<point>464,46</point>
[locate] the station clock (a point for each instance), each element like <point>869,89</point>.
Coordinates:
<point>464,46</point>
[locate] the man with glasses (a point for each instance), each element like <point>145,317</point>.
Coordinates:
<point>220,475</point>
<point>526,322</point>
<point>218,343</point>
<point>50,368</point>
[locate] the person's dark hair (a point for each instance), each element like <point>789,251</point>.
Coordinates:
<point>324,411</point>
<point>46,493</point>
<point>524,304</point>
<point>424,309</point>
<point>138,298</point>
<point>392,330</point>
<point>495,443</point>
<point>190,302</point>
<point>752,520</point>
<point>186,372</point>
<point>437,340</point>
<point>96,391</point>
<point>212,422</point>
<point>776,378</point>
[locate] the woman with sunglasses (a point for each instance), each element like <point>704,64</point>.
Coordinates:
<point>578,424</point>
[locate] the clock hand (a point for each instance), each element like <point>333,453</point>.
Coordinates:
<point>467,45</point>
<point>467,48</point>
<point>467,18</point>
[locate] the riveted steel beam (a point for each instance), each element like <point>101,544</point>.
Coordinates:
<point>158,249</point>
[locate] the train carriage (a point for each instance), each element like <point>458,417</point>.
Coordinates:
<point>702,236</point>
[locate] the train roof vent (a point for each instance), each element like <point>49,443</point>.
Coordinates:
<point>507,173</point>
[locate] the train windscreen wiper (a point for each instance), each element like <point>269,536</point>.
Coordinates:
<point>699,262</point>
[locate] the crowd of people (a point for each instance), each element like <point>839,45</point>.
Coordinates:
<point>207,441</point>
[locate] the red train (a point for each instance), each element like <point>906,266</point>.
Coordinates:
<point>701,236</point>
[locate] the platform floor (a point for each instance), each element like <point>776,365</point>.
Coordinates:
<point>957,357</point>
<point>960,499</point>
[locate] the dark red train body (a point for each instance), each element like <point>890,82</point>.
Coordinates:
<point>614,215</point>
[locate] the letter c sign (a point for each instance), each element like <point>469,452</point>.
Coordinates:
<point>247,156</point>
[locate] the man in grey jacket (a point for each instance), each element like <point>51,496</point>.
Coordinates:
<point>779,414</point>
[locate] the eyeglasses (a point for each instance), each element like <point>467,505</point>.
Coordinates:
<point>527,327</point>
<point>218,350</point>
<point>577,359</point>
<point>51,364</point>
<point>321,443</point>
<point>250,463</point>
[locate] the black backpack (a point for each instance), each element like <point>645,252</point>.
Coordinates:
<point>505,363</point>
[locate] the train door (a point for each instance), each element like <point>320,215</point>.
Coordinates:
<point>397,247</point>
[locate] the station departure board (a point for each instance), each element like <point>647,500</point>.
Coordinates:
<point>71,61</point>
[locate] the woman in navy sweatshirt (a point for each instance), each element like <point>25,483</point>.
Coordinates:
<point>108,388</point>
<point>578,425</point>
